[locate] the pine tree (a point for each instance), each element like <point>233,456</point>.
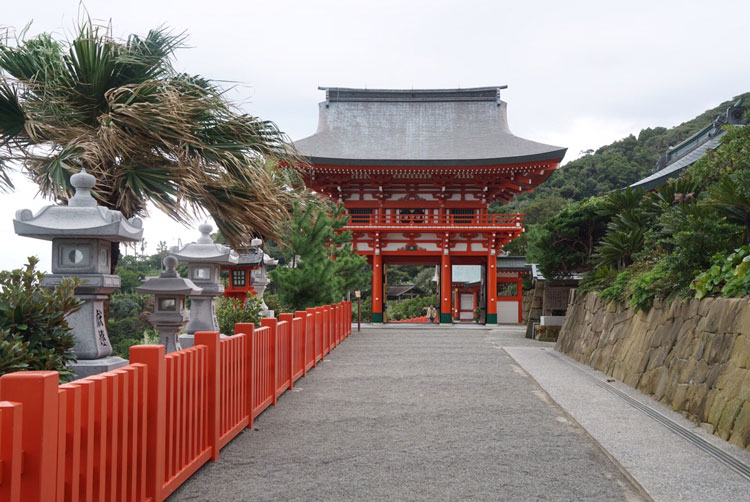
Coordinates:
<point>321,264</point>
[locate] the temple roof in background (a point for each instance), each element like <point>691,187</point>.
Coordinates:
<point>679,157</point>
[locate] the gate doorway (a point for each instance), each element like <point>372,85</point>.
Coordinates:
<point>410,291</point>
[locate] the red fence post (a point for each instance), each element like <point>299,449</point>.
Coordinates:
<point>327,327</point>
<point>248,329</point>
<point>213,389</point>
<point>335,325</point>
<point>156,416</point>
<point>340,321</point>
<point>289,318</point>
<point>321,316</point>
<point>271,323</point>
<point>305,327</point>
<point>37,392</point>
<point>11,433</point>
<point>314,337</point>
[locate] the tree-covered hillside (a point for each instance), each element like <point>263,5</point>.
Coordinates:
<point>599,172</point>
<point>613,166</point>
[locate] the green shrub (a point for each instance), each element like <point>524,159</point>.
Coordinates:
<point>618,290</point>
<point>728,275</point>
<point>230,311</point>
<point>34,334</point>
<point>655,282</point>
<point>366,304</point>
<point>128,321</point>
<point>410,308</point>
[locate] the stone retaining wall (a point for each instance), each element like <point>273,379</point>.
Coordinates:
<point>691,355</point>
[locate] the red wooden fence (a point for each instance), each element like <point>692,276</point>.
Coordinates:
<point>137,433</point>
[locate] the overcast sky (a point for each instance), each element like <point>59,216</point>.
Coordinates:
<point>580,74</point>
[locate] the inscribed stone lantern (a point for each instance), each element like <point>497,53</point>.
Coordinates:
<point>81,235</point>
<point>169,290</point>
<point>204,259</point>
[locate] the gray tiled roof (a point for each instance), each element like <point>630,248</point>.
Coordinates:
<point>693,148</point>
<point>250,257</point>
<point>674,169</point>
<point>513,263</point>
<point>418,127</point>
<point>400,289</point>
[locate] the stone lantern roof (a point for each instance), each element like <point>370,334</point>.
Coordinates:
<point>205,250</point>
<point>81,218</point>
<point>169,282</point>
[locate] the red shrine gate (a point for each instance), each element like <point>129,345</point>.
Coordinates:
<point>417,170</point>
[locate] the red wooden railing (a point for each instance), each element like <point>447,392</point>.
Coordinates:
<point>137,433</point>
<point>473,220</point>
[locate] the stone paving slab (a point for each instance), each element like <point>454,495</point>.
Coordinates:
<point>413,414</point>
<point>667,466</point>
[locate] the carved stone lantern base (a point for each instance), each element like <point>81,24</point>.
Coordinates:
<point>88,367</point>
<point>92,349</point>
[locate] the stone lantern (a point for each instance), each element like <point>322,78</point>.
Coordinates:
<point>260,278</point>
<point>204,259</point>
<point>81,235</point>
<point>169,290</point>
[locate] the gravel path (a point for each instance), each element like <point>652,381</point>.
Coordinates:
<point>413,414</point>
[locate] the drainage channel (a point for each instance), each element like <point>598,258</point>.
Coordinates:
<point>732,462</point>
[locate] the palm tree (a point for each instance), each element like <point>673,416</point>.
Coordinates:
<point>119,109</point>
<point>731,198</point>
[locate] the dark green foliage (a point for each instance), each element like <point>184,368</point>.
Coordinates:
<point>730,197</point>
<point>680,238</point>
<point>230,311</point>
<point>14,354</point>
<point>728,275</point>
<point>34,334</point>
<point>565,243</point>
<point>411,307</point>
<point>420,276</point>
<point>128,323</point>
<point>365,305</point>
<point>133,270</point>
<point>321,265</point>
<point>619,164</point>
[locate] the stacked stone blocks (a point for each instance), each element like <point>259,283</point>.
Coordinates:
<point>692,355</point>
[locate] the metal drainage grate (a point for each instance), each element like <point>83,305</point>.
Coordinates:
<point>734,463</point>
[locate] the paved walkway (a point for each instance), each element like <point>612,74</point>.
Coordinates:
<point>643,440</point>
<point>414,413</point>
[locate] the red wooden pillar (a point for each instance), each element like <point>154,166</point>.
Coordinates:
<point>377,287</point>
<point>313,336</point>
<point>213,392</point>
<point>272,323</point>
<point>305,326</point>
<point>491,287</point>
<point>248,328</point>
<point>445,287</point>
<point>37,392</point>
<point>10,450</point>
<point>289,318</point>
<point>519,297</point>
<point>156,418</point>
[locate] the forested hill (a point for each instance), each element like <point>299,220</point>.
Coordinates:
<point>612,166</point>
